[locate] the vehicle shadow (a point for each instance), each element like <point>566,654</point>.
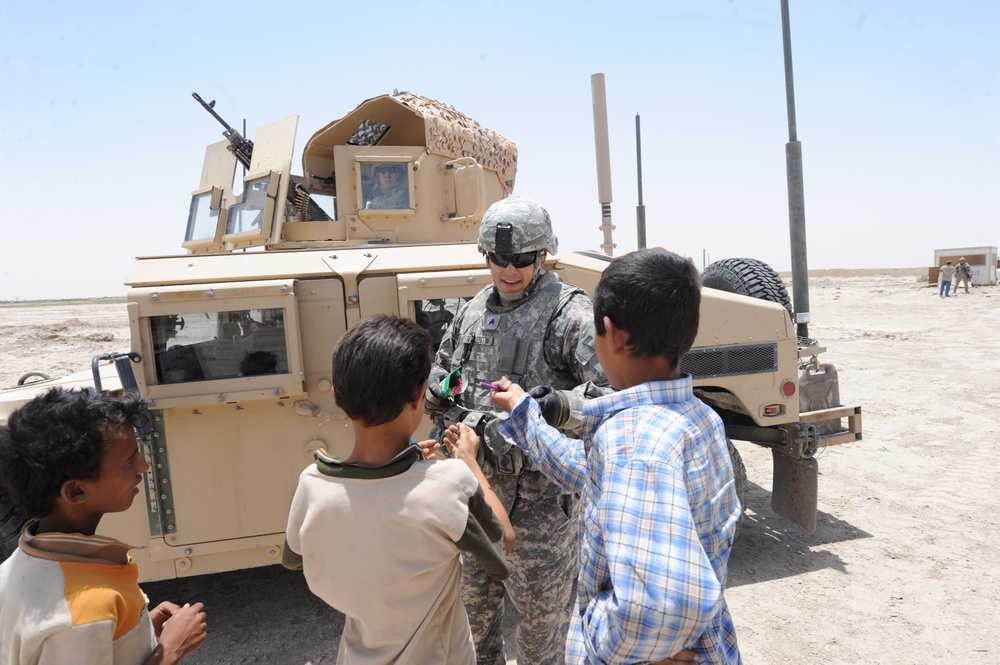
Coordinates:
<point>257,615</point>
<point>770,547</point>
<point>265,615</point>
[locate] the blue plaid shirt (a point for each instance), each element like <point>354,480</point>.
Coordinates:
<point>657,516</point>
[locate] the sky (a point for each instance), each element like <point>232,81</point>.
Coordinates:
<point>897,109</point>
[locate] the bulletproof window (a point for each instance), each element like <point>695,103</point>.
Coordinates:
<point>203,217</point>
<point>385,185</point>
<point>249,214</point>
<point>205,346</point>
<point>436,314</point>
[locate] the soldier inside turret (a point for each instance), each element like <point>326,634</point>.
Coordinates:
<point>391,190</point>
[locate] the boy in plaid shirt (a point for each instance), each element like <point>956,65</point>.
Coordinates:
<point>659,506</point>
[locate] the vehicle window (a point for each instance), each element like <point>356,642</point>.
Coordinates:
<point>202,218</point>
<point>386,186</point>
<point>248,214</point>
<point>435,315</point>
<point>219,345</point>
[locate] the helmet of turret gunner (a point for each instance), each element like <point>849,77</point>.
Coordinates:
<point>516,225</point>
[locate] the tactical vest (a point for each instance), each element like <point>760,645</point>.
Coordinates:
<point>496,340</point>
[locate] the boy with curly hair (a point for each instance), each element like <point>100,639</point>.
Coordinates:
<point>68,595</point>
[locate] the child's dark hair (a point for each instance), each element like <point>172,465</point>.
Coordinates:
<point>655,296</point>
<point>58,436</point>
<point>379,366</point>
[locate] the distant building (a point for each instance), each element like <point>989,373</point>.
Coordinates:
<point>982,259</point>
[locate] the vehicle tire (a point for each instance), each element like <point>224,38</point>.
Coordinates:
<point>10,525</point>
<point>740,473</point>
<point>747,277</point>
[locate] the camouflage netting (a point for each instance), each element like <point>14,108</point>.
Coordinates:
<point>452,133</point>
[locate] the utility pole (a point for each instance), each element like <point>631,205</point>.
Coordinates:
<point>640,210</point>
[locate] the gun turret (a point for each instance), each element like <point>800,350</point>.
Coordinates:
<point>305,208</point>
<point>239,146</point>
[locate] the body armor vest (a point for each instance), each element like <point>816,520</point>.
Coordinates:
<point>495,340</point>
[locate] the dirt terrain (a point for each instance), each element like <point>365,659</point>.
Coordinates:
<point>900,568</point>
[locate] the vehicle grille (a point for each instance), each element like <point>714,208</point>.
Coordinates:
<point>731,360</point>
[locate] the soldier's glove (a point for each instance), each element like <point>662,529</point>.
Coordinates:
<point>435,401</point>
<point>563,409</point>
<point>477,421</point>
<point>553,403</point>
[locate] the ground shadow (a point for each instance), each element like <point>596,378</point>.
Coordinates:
<point>771,547</point>
<point>264,615</point>
<point>257,615</point>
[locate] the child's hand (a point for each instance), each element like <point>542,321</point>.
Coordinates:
<point>508,394</point>
<point>462,442</point>
<point>182,633</point>
<point>159,615</point>
<point>431,449</point>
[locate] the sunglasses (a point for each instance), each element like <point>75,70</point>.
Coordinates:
<point>522,260</point>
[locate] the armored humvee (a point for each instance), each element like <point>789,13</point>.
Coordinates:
<point>231,341</point>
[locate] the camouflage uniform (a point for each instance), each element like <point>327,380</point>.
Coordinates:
<point>963,274</point>
<point>396,198</point>
<point>545,337</point>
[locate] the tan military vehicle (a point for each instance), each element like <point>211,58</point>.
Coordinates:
<point>232,340</point>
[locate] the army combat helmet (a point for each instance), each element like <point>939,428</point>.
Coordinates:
<point>515,225</point>
<point>512,228</point>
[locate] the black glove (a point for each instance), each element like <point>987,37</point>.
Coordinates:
<point>435,401</point>
<point>553,403</point>
<point>476,420</point>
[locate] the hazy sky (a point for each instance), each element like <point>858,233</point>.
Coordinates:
<point>897,102</point>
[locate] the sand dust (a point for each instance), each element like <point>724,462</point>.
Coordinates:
<point>900,568</point>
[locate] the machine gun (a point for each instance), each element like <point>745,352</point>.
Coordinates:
<point>306,210</point>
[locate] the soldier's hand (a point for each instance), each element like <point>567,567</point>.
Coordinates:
<point>554,406</point>
<point>434,398</point>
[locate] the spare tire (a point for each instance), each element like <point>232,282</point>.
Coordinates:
<point>10,525</point>
<point>747,277</point>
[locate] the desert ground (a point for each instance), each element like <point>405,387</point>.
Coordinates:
<point>900,568</point>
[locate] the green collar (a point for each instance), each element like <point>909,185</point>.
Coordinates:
<point>334,466</point>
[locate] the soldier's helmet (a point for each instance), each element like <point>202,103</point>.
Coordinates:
<point>514,225</point>
<point>389,168</point>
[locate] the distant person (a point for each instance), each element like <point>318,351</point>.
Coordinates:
<point>963,274</point>
<point>391,188</point>
<point>658,494</point>
<point>66,594</point>
<point>947,272</point>
<point>379,535</point>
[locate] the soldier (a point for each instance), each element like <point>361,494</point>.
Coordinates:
<point>963,274</point>
<point>391,192</point>
<point>536,330</point>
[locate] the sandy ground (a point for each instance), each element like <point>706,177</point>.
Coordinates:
<point>899,570</point>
